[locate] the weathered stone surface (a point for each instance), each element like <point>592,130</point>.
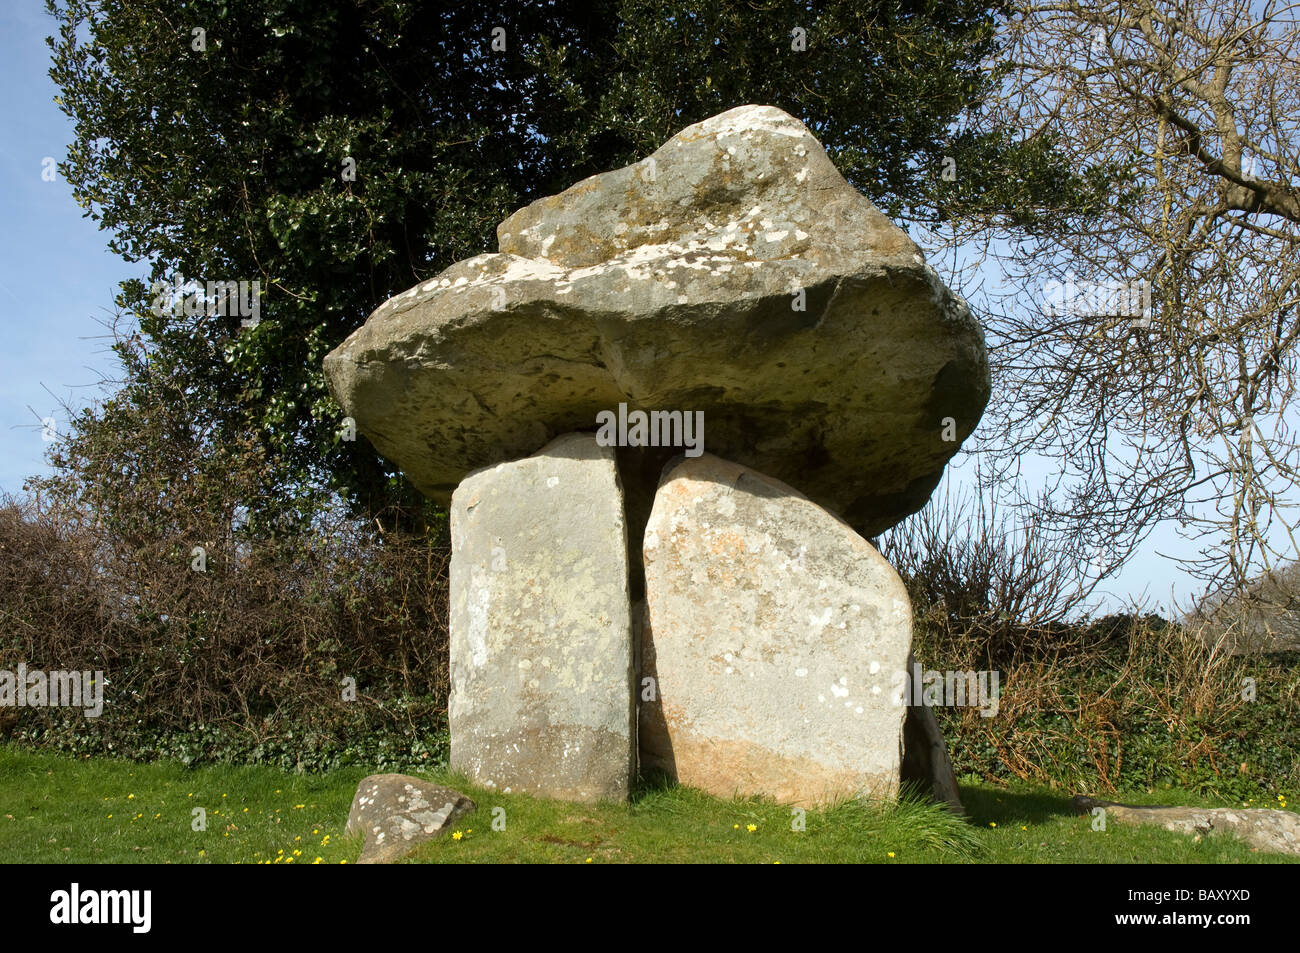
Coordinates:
<point>541,637</point>
<point>774,634</point>
<point>1264,829</point>
<point>925,756</point>
<point>733,272</point>
<point>398,812</point>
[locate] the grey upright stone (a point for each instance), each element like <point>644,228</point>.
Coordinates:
<point>541,636</point>
<point>775,637</point>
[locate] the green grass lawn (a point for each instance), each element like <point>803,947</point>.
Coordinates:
<point>55,809</point>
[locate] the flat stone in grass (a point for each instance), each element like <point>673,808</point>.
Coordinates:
<point>541,634</point>
<point>397,813</point>
<point>1277,832</point>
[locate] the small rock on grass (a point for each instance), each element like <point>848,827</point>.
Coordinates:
<point>398,812</point>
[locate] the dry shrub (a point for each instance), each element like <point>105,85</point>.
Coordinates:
<point>230,607</point>
<point>256,647</point>
<point>1263,616</point>
<point>1128,701</point>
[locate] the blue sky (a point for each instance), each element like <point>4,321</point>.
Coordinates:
<point>57,279</point>
<point>56,273</point>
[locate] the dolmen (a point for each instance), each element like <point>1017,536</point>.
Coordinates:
<point>667,417</point>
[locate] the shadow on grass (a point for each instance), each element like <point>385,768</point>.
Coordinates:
<point>985,804</point>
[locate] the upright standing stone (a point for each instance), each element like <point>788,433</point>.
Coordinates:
<point>925,756</point>
<point>541,637</point>
<point>775,636</point>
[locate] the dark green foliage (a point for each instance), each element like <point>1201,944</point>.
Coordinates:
<point>374,743</point>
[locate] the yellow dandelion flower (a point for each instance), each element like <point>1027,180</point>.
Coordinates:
<point>751,827</point>
<point>735,827</point>
<point>130,797</point>
<point>993,824</point>
<point>457,835</point>
<point>890,855</point>
<point>588,860</point>
<point>110,816</point>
